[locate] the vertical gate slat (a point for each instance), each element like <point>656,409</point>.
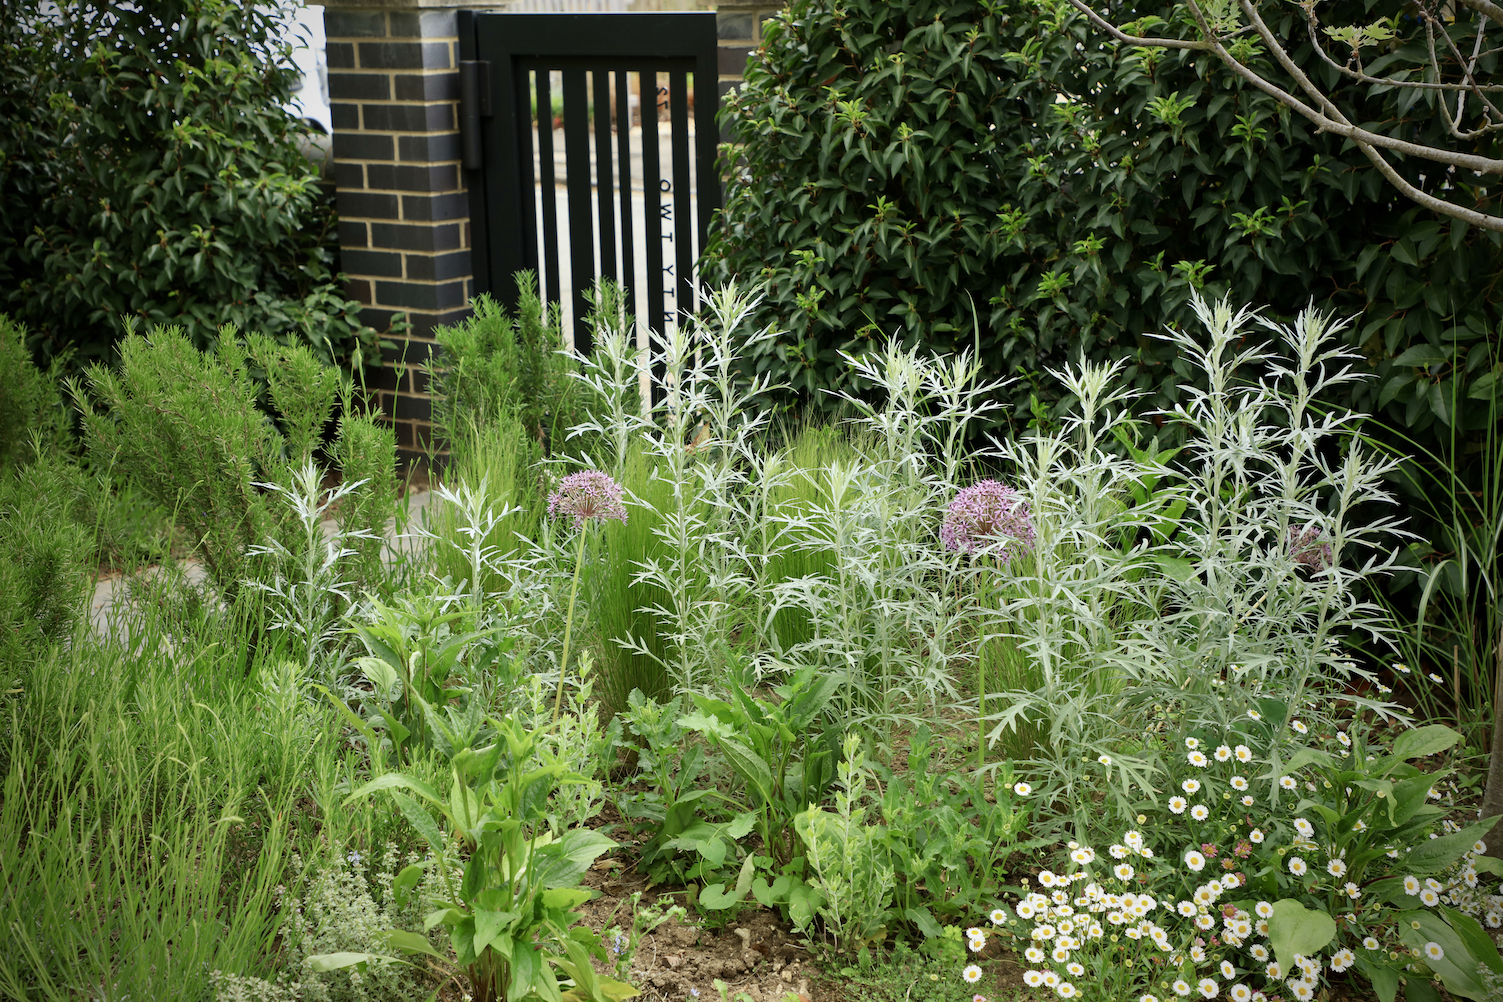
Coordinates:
<point>605,187</point>
<point>628,234</point>
<point>527,209</point>
<point>577,181</point>
<point>549,184</point>
<point>676,209</point>
<point>683,227</point>
<point>658,314</point>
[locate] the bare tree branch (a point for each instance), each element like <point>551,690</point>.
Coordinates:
<point>1487,9</point>
<point>1324,113</point>
<point>1361,76</point>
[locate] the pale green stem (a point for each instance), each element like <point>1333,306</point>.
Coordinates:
<point>563,661</point>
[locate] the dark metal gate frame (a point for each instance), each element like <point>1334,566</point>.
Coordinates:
<point>498,52</point>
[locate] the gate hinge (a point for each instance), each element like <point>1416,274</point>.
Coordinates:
<point>474,104</point>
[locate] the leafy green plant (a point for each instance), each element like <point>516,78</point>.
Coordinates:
<point>154,172</point>
<point>44,578</point>
<point>895,160</point>
<point>31,411</point>
<point>510,914</point>
<point>675,808</point>
<point>948,838</point>
<point>1278,865</point>
<point>624,943</point>
<point>184,427</point>
<point>783,752</point>
<point>495,367</point>
<point>420,650</point>
<point>846,858</point>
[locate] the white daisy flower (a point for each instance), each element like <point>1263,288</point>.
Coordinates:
<point>1243,753</point>
<point>1200,812</point>
<point>1065,990</point>
<point>1195,860</point>
<point>972,974</point>
<point>1190,786</point>
<point>1369,943</point>
<point>1208,988</point>
<point>1178,804</point>
<point>1192,743</point>
<point>1182,987</point>
<point>1287,782</point>
<point>1197,759</point>
<point>1298,727</point>
<point>1223,752</point>
<point>1255,836</point>
<point>1022,789</point>
<point>1297,866</point>
<point>1336,868</point>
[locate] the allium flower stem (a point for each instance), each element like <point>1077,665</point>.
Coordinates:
<point>563,661</point>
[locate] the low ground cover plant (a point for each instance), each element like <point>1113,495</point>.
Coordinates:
<point>1077,693</point>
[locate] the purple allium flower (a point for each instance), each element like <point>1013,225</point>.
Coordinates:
<point>1309,548</point>
<point>984,513</point>
<point>587,495</point>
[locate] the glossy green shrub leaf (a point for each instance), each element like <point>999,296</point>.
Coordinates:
<point>150,169</point>
<point>998,175</point>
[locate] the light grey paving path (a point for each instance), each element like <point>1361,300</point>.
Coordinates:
<point>111,590</point>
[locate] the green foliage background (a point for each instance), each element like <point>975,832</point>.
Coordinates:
<point>149,170</point>
<point>994,172</point>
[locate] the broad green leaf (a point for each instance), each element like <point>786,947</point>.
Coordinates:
<point>403,883</point>
<point>491,930</point>
<point>1423,741</point>
<point>526,965</point>
<point>1436,854</point>
<point>324,962</point>
<point>1456,967</point>
<point>751,766</point>
<point>1293,928</point>
<point>1308,756</point>
<point>741,825</point>
<point>1478,942</point>
<point>565,898</point>
<point>421,821</point>
<point>1385,980</point>
<point>561,863</point>
<point>395,780</point>
<point>409,942</point>
<point>382,675</point>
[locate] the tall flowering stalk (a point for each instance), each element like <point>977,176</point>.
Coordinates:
<point>982,516</point>
<point>587,496</point>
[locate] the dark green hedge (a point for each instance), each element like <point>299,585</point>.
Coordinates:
<point>955,171</point>
<point>148,170</point>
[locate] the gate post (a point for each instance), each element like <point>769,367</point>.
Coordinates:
<point>738,25</point>
<point>403,212</point>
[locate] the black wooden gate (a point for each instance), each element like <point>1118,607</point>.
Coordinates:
<point>613,70</point>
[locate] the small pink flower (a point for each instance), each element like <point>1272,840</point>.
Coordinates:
<point>589,494</point>
<point>987,512</point>
<point>1309,548</point>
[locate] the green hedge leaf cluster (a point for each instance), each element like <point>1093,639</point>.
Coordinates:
<point>149,169</point>
<point>996,174</point>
